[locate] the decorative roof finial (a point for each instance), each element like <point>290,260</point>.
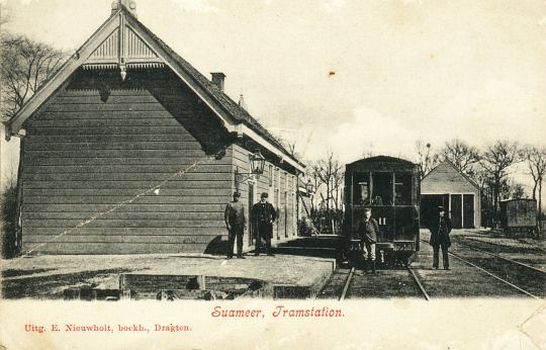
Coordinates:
<point>128,4</point>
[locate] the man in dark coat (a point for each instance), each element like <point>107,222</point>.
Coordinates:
<point>368,230</point>
<point>439,237</point>
<point>234,216</point>
<point>263,216</point>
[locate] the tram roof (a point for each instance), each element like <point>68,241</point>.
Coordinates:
<point>380,162</point>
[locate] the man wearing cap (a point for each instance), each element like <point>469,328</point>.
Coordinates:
<point>439,237</point>
<point>263,216</point>
<point>234,216</point>
<point>368,230</point>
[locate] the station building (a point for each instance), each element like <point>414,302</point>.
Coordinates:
<point>129,149</point>
<point>445,185</point>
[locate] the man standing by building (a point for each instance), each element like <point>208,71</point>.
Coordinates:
<point>439,237</point>
<point>263,216</point>
<point>234,217</point>
<point>368,230</point>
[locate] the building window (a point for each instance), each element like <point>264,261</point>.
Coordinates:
<point>271,175</point>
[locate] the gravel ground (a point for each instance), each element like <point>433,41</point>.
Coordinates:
<point>525,250</point>
<point>464,280</point>
<point>489,236</point>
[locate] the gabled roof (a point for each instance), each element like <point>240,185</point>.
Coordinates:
<point>455,169</point>
<point>150,50</point>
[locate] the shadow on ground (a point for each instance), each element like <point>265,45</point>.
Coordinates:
<point>52,286</point>
<point>15,273</point>
<point>320,247</point>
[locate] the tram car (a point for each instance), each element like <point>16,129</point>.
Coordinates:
<point>518,216</point>
<point>391,188</point>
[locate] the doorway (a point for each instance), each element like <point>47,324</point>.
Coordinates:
<point>429,207</point>
<point>456,210</point>
<point>286,214</point>
<point>250,205</point>
<point>468,211</point>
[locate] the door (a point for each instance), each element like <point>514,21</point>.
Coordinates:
<point>278,210</point>
<point>250,205</point>
<point>456,210</point>
<point>286,213</point>
<point>429,207</point>
<point>468,211</point>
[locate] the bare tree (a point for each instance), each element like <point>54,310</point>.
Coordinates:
<point>337,182</point>
<point>291,148</point>
<point>290,145</point>
<point>496,160</point>
<point>5,16</point>
<point>25,65</point>
<point>536,163</point>
<point>462,155</point>
<point>426,159</point>
<point>329,171</point>
<point>369,151</point>
<point>517,191</point>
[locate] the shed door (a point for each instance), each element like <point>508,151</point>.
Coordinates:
<point>468,211</point>
<point>429,207</point>
<point>457,210</point>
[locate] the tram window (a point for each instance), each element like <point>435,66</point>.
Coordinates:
<point>382,189</point>
<point>402,189</point>
<point>361,189</point>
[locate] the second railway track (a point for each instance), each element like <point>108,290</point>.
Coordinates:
<point>517,275</point>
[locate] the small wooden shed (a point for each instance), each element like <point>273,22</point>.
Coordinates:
<point>129,149</point>
<point>445,185</point>
<point>518,215</point>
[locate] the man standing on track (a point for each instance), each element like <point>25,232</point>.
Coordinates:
<point>439,237</point>
<point>368,230</point>
<point>263,216</point>
<point>234,217</point>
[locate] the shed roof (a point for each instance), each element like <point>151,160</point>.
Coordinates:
<point>450,165</point>
<point>235,118</point>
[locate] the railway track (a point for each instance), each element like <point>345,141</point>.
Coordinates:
<point>511,277</point>
<point>495,276</point>
<point>522,277</point>
<point>470,246</point>
<point>343,285</point>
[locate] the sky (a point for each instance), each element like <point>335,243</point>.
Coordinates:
<point>353,77</point>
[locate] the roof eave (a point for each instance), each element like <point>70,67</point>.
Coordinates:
<point>14,124</point>
<point>85,51</point>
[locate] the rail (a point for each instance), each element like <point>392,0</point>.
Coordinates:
<point>419,284</point>
<point>346,285</point>
<point>501,257</point>
<point>495,276</point>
